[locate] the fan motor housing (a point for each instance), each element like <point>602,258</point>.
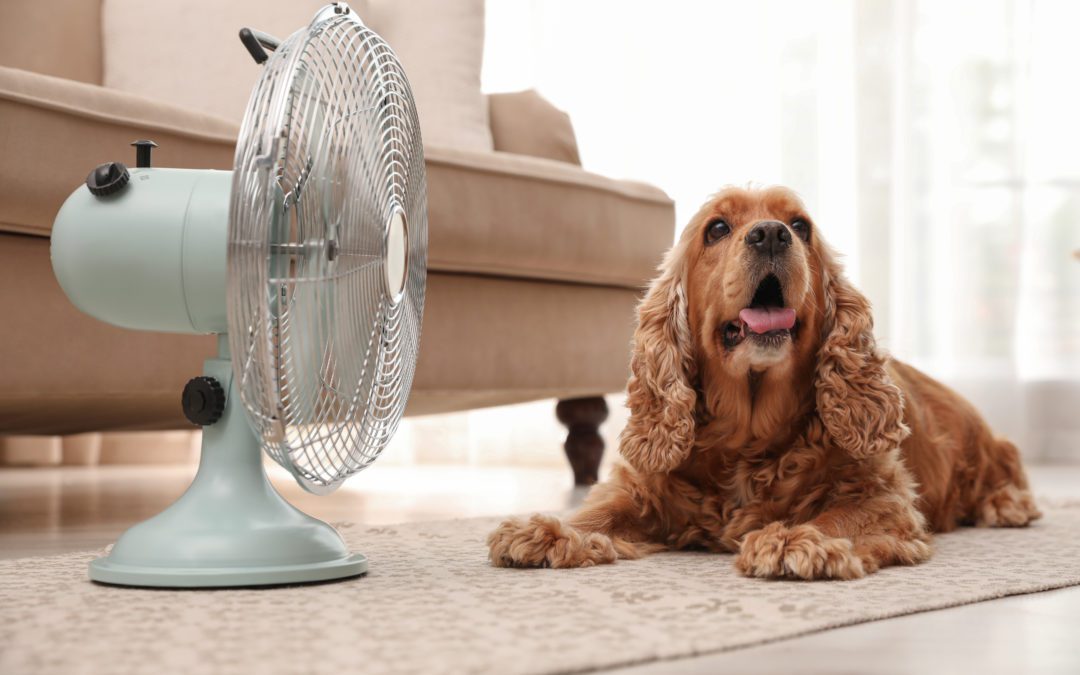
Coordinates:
<point>151,256</point>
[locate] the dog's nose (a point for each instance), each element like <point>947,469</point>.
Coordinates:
<point>769,237</point>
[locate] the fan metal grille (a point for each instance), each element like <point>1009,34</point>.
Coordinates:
<point>328,163</point>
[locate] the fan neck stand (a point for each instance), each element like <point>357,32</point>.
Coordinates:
<point>231,527</point>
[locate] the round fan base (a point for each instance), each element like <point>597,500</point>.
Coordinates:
<point>231,527</point>
<point>104,571</point>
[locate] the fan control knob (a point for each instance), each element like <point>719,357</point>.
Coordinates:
<point>203,400</point>
<point>107,178</point>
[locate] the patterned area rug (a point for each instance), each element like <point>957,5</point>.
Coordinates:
<point>432,604</point>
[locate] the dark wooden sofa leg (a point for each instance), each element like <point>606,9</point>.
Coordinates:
<point>584,446</point>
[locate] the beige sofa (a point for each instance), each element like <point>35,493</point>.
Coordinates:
<point>534,264</point>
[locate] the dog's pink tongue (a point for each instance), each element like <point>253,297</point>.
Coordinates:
<point>765,319</point>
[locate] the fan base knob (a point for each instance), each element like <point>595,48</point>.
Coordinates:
<point>203,400</point>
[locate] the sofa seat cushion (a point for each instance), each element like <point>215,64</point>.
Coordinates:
<point>55,131</point>
<point>490,213</point>
<point>486,341</point>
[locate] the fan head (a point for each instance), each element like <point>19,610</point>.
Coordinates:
<point>327,250</point>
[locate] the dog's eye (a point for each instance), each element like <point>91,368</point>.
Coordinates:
<point>802,228</point>
<point>716,230</point>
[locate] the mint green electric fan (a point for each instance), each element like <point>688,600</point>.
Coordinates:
<point>309,261</point>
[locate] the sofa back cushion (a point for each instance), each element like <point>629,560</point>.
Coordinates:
<point>188,54</point>
<point>441,45</point>
<point>59,37</point>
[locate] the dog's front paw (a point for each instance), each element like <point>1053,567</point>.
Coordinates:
<point>1009,506</point>
<point>543,541</point>
<point>800,552</point>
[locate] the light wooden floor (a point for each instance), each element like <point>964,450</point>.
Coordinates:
<point>47,511</point>
<point>55,510</point>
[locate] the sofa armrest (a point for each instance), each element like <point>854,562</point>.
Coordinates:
<point>525,123</point>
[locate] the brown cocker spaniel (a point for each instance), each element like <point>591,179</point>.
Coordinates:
<point>766,423</point>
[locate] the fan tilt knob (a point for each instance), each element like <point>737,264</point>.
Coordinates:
<point>107,178</point>
<point>203,400</point>
<point>142,153</point>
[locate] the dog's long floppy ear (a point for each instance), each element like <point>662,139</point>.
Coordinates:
<point>856,399</point>
<point>661,398</point>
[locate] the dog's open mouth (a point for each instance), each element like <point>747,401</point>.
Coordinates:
<point>766,320</point>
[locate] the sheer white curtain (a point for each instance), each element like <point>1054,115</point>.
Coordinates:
<point>937,143</point>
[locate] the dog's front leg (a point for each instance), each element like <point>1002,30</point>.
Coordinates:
<point>843,542</point>
<point>608,526</point>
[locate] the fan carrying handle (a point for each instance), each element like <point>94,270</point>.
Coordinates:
<point>257,43</point>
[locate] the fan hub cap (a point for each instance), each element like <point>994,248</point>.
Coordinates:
<point>397,253</point>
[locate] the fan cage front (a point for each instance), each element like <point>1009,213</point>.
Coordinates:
<point>330,154</point>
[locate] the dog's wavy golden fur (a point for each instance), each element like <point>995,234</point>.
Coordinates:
<point>766,423</point>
